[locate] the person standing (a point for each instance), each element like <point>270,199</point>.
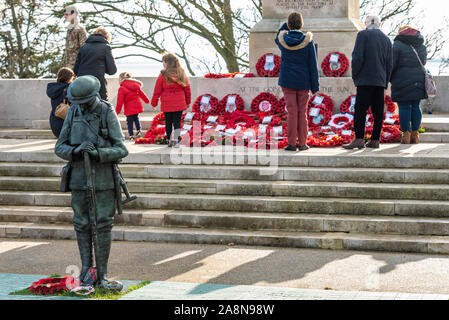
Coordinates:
<point>372,64</point>
<point>408,81</point>
<point>95,59</point>
<point>130,95</point>
<point>173,88</point>
<point>76,36</point>
<point>92,141</point>
<point>57,92</point>
<point>298,76</point>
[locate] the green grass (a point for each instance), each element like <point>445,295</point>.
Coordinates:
<point>99,294</point>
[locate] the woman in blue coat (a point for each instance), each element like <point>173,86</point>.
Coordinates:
<point>56,91</point>
<point>298,76</point>
<point>408,81</point>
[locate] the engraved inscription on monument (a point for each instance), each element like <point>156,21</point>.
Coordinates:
<point>303,4</point>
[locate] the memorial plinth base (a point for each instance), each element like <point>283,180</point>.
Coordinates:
<point>337,88</point>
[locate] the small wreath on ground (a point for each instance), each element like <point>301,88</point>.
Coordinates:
<point>265,102</point>
<point>231,103</point>
<point>269,65</point>
<point>335,64</point>
<point>51,285</point>
<point>319,110</point>
<point>206,104</point>
<point>390,134</point>
<point>341,121</point>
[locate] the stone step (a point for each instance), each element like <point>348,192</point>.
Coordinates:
<point>146,119</point>
<point>368,175</point>
<point>334,206</point>
<point>425,156</point>
<point>436,123</point>
<point>13,133</point>
<point>242,221</point>
<point>251,188</point>
<point>335,241</point>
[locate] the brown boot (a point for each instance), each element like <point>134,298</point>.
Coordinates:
<point>414,139</point>
<point>373,144</point>
<point>357,143</point>
<point>406,137</point>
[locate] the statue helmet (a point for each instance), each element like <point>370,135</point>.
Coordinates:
<point>83,89</point>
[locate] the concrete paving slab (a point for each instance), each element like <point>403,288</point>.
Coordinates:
<point>192,291</point>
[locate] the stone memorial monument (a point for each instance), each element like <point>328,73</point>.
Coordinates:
<point>334,24</point>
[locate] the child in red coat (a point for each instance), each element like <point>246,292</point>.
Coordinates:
<point>129,94</point>
<point>173,88</point>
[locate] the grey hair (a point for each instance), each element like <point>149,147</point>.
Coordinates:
<point>373,19</point>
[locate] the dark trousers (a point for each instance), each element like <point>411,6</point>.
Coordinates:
<point>374,97</point>
<point>130,121</point>
<point>173,122</point>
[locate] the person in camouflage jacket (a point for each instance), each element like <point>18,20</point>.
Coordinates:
<point>76,36</point>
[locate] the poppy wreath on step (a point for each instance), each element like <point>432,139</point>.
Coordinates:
<point>348,106</point>
<point>325,140</point>
<point>192,116</point>
<point>52,285</point>
<point>342,121</point>
<point>240,119</point>
<point>265,102</point>
<point>390,134</point>
<point>269,68</point>
<point>335,64</point>
<point>319,110</point>
<point>206,104</point>
<point>228,104</point>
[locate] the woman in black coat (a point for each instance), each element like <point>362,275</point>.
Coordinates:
<point>95,59</point>
<point>408,81</point>
<point>57,91</point>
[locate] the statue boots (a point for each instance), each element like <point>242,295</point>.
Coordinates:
<point>85,248</point>
<point>104,248</point>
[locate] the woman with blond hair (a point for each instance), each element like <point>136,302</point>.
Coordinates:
<point>173,88</point>
<point>408,81</point>
<point>95,58</point>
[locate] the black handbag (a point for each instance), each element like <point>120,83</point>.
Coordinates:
<point>65,177</point>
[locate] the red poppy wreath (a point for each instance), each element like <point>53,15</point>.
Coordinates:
<point>206,104</point>
<point>269,65</point>
<point>335,65</point>
<point>319,110</point>
<point>231,103</point>
<point>265,102</point>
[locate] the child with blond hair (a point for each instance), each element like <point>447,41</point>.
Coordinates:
<point>173,88</point>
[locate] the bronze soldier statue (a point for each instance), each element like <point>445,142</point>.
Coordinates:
<point>76,36</point>
<point>92,141</point>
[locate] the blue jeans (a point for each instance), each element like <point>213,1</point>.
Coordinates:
<point>131,120</point>
<point>410,113</point>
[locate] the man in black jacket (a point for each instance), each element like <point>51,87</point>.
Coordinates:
<point>372,64</point>
<point>95,59</point>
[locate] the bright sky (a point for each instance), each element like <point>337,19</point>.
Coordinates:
<point>434,14</point>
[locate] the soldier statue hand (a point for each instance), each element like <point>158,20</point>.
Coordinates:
<point>93,154</point>
<point>85,146</point>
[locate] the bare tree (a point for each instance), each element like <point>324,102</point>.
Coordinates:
<point>29,42</point>
<point>153,26</point>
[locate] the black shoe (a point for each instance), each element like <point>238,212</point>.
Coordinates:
<point>303,148</point>
<point>290,148</point>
